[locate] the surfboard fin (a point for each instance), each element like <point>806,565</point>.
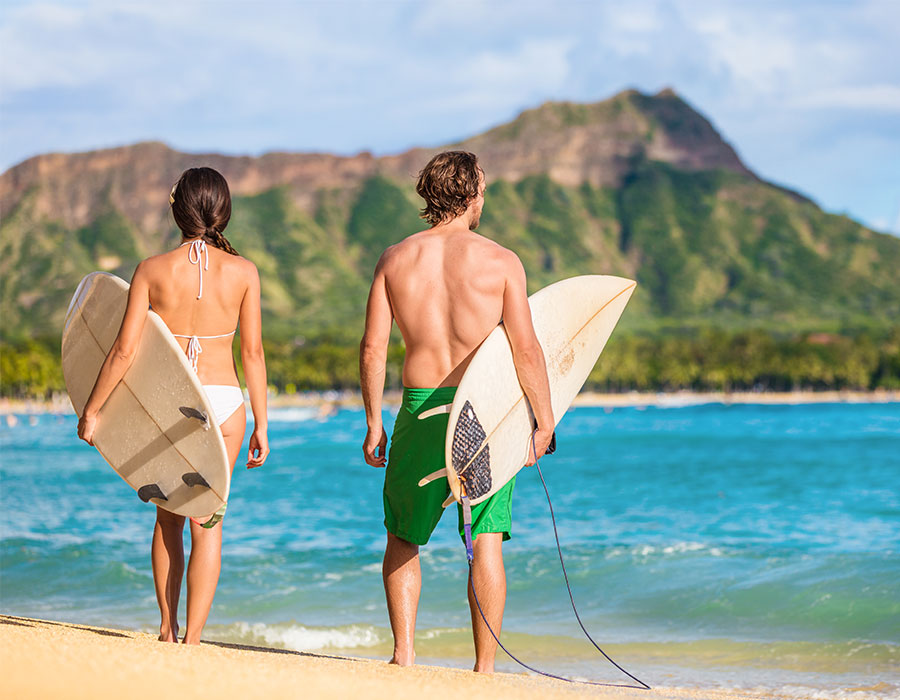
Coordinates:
<point>194,479</point>
<point>189,412</point>
<point>436,411</point>
<point>450,499</point>
<point>434,476</point>
<point>148,491</point>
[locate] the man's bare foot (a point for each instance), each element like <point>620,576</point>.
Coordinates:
<point>186,640</point>
<point>403,659</point>
<point>483,669</point>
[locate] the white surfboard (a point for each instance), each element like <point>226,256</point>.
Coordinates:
<point>490,418</point>
<point>157,429</point>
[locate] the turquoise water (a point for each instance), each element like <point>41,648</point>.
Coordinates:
<point>707,545</point>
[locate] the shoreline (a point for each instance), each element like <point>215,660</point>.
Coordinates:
<point>329,401</point>
<point>98,663</point>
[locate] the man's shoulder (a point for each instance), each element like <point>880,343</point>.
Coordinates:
<point>406,247</point>
<point>394,252</point>
<point>495,251</point>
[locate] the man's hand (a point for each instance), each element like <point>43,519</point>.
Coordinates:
<point>541,440</point>
<point>375,447</point>
<point>259,445</point>
<point>87,424</point>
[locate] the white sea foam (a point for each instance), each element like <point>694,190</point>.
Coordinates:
<point>440,632</point>
<point>648,550</point>
<point>293,415</point>
<point>301,638</point>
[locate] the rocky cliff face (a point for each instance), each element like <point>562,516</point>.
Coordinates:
<point>637,185</point>
<point>572,143</point>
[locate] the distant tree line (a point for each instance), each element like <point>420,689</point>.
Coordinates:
<point>707,360</point>
<point>715,360</point>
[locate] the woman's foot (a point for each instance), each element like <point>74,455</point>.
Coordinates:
<point>168,634</point>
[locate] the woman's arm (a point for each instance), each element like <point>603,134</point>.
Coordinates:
<point>120,355</point>
<point>253,360</point>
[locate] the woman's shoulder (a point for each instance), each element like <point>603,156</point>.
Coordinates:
<point>154,262</point>
<point>237,263</point>
<point>238,269</point>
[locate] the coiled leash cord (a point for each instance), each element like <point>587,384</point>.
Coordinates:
<point>470,556</point>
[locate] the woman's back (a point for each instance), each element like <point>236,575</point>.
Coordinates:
<point>175,280</point>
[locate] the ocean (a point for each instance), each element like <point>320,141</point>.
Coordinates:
<point>742,546</point>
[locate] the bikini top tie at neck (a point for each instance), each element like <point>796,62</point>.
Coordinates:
<point>195,252</point>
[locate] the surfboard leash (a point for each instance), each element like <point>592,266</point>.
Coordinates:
<point>470,556</point>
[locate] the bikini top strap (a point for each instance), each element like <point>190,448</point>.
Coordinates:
<point>194,348</point>
<point>197,250</point>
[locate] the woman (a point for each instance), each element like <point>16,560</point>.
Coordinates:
<point>202,290</point>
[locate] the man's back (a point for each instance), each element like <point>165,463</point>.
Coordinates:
<point>446,287</point>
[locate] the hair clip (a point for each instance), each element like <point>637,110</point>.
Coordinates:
<point>172,193</point>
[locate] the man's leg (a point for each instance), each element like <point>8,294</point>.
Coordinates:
<point>402,585</point>
<point>489,579</point>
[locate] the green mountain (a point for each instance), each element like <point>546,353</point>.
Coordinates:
<point>637,185</point>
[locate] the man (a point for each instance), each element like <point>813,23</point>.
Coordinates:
<point>447,288</point>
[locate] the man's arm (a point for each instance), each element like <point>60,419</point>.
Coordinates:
<point>372,360</point>
<point>528,357</point>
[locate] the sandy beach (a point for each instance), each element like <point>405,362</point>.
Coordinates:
<point>44,659</point>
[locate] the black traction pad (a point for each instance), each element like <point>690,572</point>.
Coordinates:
<point>468,437</point>
<point>148,491</point>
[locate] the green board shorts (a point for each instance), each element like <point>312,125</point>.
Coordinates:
<point>411,512</point>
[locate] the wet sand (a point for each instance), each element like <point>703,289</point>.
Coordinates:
<point>43,659</point>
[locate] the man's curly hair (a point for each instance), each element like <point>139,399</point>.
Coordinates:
<point>447,184</point>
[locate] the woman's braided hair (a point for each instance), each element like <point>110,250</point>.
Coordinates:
<point>201,205</point>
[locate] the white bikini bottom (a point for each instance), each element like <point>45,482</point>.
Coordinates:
<point>224,399</point>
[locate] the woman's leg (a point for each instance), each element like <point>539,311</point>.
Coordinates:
<point>206,545</point>
<point>167,558</point>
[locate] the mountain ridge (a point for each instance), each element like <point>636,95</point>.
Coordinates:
<point>636,185</point>
<point>596,143</point>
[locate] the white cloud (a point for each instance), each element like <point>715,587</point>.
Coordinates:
<point>787,83</point>
<point>859,97</point>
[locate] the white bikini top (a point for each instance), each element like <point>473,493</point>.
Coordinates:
<point>197,251</point>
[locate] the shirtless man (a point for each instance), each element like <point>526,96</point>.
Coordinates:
<point>447,288</point>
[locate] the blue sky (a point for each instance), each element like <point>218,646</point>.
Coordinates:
<point>807,91</point>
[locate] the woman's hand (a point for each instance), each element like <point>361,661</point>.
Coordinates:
<point>259,444</point>
<point>375,447</point>
<point>87,424</point>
